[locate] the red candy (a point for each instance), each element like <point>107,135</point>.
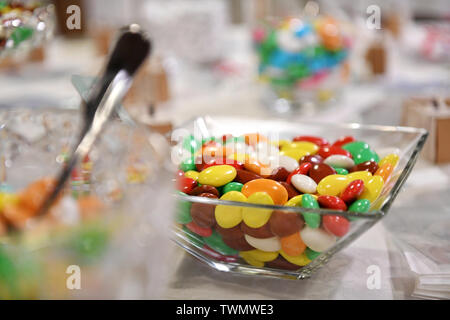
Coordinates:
<point>336,225</point>
<point>303,169</point>
<point>311,158</point>
<point>320,142</point>
<point>320,171</point>
<point>215,255</point>
<point>279,174</point>
<point>327,151</point>
<point>204,232</point>
<point>352,191</point>
<point>185,184</point>
<point>292,192</point>
<point>342,141</point>
<point>332,202</point>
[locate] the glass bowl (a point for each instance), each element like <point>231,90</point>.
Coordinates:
<point>102,227</point>
<point>406,141</point>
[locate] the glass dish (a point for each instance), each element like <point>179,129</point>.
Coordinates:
<point>108,242</point>
<point>408,141</point>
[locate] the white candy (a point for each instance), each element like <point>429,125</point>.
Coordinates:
<point>287,41</point>
<point>287,162</point>
<point>340,161</point>
<point>268,245</point>
<point>317,239</point>
<point>304,183</point>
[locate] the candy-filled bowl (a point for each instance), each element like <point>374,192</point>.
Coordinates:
<point>98,227</point>
<point>279,198</point>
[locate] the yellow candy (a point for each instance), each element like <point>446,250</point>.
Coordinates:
<point>262,256</point>
<point>217,176</point>
<point>251,261</point>
<point>253,217</point>
<point>192,174</point>
<point>365,176</point>
<point>7,198</point>
<point>332,185</point>
<point>295,153</point>
<point>372,189</point>
<point>302,145</point>
<point>300,260</point>
<point>241,157</point>
<point>296,201</point>
<point>281,143</point>
<point>230,216</point>
<point>390,158</point>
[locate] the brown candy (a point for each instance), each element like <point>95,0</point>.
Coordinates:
<point>313,159</point>
<point>281,263</point>
<point>260,233</point>
<point>203,214</point>
<point>204,189</point>
<point>285,223</point>
<point>279,174</point>
<point>320,170</point>
<point>239,244</point>
<point>292,192</point>
<point>230,233</point>
<point>370,166</point>
<point>244,176</point>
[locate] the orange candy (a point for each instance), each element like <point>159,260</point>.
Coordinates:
<point>330,34</point>
<point>293,245</point>
<point>274,189</point>
<point>254,138</point>
<point>90,206</point>
<point>34,195</point>
<point>257,167</point>
<point>17,215</point>
<point>385,171</point>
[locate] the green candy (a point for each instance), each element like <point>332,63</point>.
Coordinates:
<point>355,146</point>
<point>311,254</point>
<point>341,171</point>
<point>366,155</point>
<point>21,34</point>
<point>361,205</point>
<point>191,144</point>
<point>188,164</point>
<point>215,242</point>
<point>232,186</point>
<point>90,242</point>
<point>183,210</point>
<point>195,239</point>
<point>311,219</point>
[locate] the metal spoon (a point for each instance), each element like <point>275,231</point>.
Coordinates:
<point>130,51</point>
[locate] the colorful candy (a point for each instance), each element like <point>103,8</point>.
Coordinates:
<point>306,172</point>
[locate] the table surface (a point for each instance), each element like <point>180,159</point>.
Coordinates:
<point>423,202</point>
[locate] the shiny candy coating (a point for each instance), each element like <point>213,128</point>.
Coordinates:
<point>239,244</point>
<point>341,171</point>
<point>254,217</point>
<point>217,176</point>
<point>262,256</point>
<point>370,166</point>
<point>316,140</point>
<point>204,232</point>
<point>268,245</point>
<point>311,219</point>
<point>303,183</point>
<point>293,244</point>
<point>295,154</point>
<point>332,202</point>
<point>204,189</point>
<point>285,223</point>
<point>232,186</point>
<point>362,205</point>
<point>274,189</point>
<point>295,201</point>
<point>317,239</point>
<point>230,216</point>
<point>311,254</point>
<point>309,147</point>
<point>338,160</point>
<point>372,189</point>
<point>260,233</point>
<point>320,170</point>
<point>336,225</point>
<point>215,242</point>
<point>218,161</point>
<point>203,214</point>
<point>251,261</point>
<point>279,174</point>
<point>365,176</point>
<point>352,191</point>
<point>327,151</point>
<point>290,189</point>
<point>332,185</point>
<point>385,171</point>
<point>302,169</point>
<point>343,140</point>
<point>288,163</point>
<point>192,174</point>
<point>244,176</point>
<point>390,158</point>
<point>188,164</point>
<point>311,158</point>
<point>185,184</point>
<point>257,167</point>
<point>300,260</point>
<point>183,211</point>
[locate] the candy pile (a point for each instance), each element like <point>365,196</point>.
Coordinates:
<point>300,54</point>
<point>19,21</point>
<point>307,172</point>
